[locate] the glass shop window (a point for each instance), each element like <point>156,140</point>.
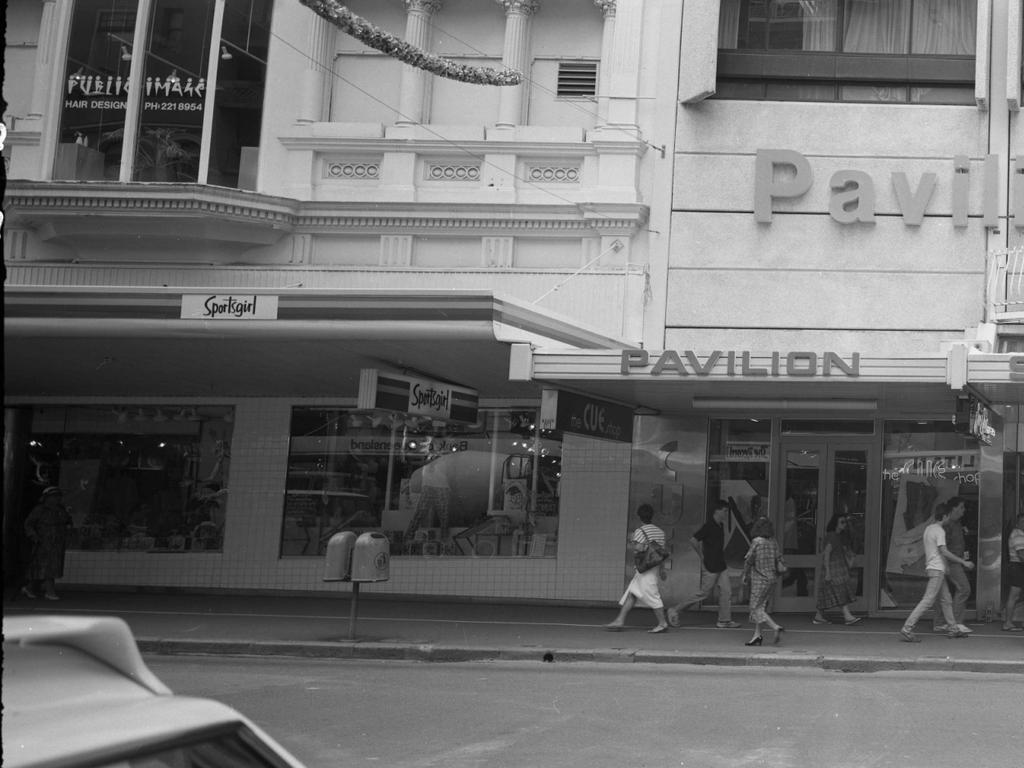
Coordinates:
<point>435,488</point>
<point>182,54</point>
<point>738,470</point>
<point>924,465</point>
<point>903,51</point>
<point>147,478</point>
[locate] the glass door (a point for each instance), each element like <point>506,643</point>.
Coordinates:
<point>821,478</point>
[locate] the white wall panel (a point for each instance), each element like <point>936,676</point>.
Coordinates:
<point>882,130</point>
<point>815,241</point>
<point>812,299</point>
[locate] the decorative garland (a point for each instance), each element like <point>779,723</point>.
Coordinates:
<point>379,40</point>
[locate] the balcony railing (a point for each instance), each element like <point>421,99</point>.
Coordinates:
<point>1006,286</point>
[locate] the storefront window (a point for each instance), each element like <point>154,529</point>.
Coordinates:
<point>145,478</point>
<point>740,450</point>
<point>435,488</point>
<point>96,90</point>
<point>925,464</point>
<point>180,41</point>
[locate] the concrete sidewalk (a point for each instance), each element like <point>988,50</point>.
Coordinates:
<point>173,622</point>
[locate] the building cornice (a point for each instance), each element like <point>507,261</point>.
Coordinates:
<point>62,211</point>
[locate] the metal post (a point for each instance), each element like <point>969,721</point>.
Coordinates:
<point>353,610</point>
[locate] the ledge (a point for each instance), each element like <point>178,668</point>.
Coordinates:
<point>69,212</point>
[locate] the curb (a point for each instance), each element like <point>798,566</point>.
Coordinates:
<point>455,654</point>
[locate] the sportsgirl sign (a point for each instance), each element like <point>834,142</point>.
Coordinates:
<point>785,174</point>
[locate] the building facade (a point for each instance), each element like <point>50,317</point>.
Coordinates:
<point>289,286</point>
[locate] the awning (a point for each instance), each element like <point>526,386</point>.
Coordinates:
<point>676,381</point>
<point>133,342</point>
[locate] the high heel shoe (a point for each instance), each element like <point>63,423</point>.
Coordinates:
<point>755,641</point>
<point>778,635</point>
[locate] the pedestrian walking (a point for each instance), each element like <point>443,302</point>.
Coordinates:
<point>761,569</point>
<point>643,588</point>
<point>1016,575</point>
<point>936,555</point>
<point>836,563</point>
<point>46,528</point>
<point>709,543</point>
<point>956,576</point>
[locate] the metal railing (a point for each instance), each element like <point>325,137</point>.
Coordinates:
<point>1006,285</point>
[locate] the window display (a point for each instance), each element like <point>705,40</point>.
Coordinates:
<point>925,464</point>
<point>435,488</point>
<point>148,478</point>
<point>181,55</point>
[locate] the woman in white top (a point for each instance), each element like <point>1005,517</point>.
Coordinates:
<point>643,588</point>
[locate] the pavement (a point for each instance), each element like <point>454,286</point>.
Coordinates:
<point>431,630</point>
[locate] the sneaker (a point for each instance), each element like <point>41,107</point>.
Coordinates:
<point>954,633</point>
<point>909,637</point>
<point>27,592</point>
<point>672,614</point>
<point>51,596</point>
<point>728,625</point>
<point>940,628</point>
<point>963,629</point>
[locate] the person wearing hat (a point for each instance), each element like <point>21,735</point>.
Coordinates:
<point>46,528</point>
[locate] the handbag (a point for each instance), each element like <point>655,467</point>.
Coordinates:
<point>780,565</point>
<point>651,556</point>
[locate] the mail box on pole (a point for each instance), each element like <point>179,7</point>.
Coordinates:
<point>338,566</point>
<point>371,558</point>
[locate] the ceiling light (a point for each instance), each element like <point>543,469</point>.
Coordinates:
<point>126,55</point>
<point>225,54</point>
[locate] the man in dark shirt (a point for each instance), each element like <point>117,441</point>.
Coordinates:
<point>709,542</point>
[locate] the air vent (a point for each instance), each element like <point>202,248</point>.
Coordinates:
<point>577,79</point>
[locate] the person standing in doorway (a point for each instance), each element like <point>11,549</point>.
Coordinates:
<point>643,588</point>
<point>956,577</point>
<point>709,542</point>
<point>836,561</point>
<point>46,528</point>
<point>1016,575</point>
<point>936,555</point>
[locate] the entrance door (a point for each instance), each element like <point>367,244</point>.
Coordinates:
<point>821,477</point>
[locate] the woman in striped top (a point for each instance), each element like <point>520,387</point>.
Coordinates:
<point>643,588</point>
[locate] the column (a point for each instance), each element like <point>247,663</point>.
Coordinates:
<point>414,80</point>
<point>623,63</point>
<point>607,36</point>
<point>44,59</point>
<point>320,45</point>
<point>515,55</point>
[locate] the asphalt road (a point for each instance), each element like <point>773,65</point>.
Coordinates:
<point>533,715</point>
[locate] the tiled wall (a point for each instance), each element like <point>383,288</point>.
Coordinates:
<point>589,565</point>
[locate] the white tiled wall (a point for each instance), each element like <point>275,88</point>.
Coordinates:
<point>589,565</point>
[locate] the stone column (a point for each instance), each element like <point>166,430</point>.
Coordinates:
<point>623,63</point>
<point>515,55</point>
<point>607,37</point>
<point>44,59</point>
<point>412,95</point>
<point>320,46</point>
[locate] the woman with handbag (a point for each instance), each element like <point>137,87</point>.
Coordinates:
<point>761,569</point>
<point>648,544</point>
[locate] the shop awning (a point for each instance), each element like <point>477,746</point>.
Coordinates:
<point>134,342</point>
<point>674,381</point>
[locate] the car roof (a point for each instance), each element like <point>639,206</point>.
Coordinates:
<point>77,692</point>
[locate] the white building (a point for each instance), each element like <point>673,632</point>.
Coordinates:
<point>782,235</point>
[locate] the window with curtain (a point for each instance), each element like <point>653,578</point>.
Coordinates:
<point>907,51</point>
